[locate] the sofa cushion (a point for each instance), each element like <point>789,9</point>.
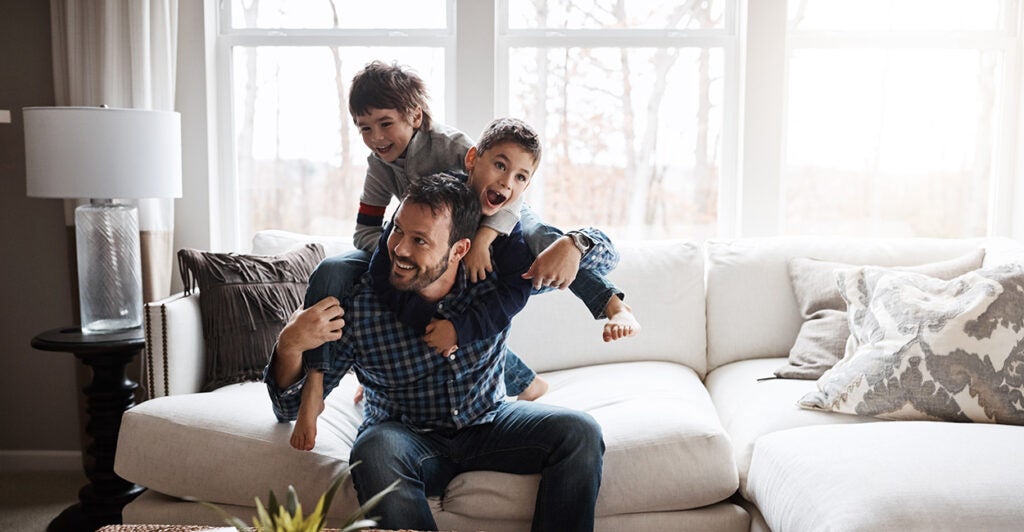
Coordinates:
<point>749,289</point>
<point>665,447</point>
<point>898,476</point>
<point>750,408</point>
<point>924,348</point>
<point>821,341</point>
<point>555,331</point>
<point>246,301</point>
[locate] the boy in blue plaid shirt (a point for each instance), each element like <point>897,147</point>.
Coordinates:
<point>429,418</point>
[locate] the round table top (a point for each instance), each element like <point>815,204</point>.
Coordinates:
<point>73,340</point>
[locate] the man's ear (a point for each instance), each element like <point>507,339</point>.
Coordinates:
<point>459,249</point>
<point>470,159</point>
<point>417,117</point>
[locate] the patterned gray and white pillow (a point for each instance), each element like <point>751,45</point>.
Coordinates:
<point>923,348</point>
<point>823,335</point>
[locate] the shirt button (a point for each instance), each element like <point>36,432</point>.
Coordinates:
<point>451,356</point>
<point>440,306</point>
<point>455,411</point>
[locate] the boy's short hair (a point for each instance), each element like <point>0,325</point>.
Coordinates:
<point>442,191</point>
<point>382,86</point>
<point>510,130</point>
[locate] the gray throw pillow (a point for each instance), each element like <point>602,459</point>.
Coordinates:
<point>821,341</point>
<point>245,302</point>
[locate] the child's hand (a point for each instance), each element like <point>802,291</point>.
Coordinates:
<point>556,266</point>
<point>477,262</point>
<point>441,336</point>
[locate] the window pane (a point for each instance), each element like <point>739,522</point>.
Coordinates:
<point>348,14</point>
<point>300,160</point>
<point>867,15</point>
<point>635,14</point>
<point>890,142</point>
<point>631,137</point>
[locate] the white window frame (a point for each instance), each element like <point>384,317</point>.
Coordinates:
<point>728,39</point>
<point>477,40</point>
<point>770,44</point>
<point>228,234</point>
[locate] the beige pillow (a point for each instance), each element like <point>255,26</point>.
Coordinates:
<point>821,341</point>
<point>929,349</point>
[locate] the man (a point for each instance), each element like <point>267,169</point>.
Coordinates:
<point>429,417</point>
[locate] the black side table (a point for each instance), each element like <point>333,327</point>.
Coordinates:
<point>109,394</point>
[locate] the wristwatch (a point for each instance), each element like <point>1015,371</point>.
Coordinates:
<point>582,242</point>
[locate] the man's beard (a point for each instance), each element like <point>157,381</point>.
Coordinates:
<point>423,277</point>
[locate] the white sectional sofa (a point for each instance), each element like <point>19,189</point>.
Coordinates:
<point>695,441</point>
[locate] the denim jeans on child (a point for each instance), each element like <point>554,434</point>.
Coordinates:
<point>337,276</point>
<point>565,446</point>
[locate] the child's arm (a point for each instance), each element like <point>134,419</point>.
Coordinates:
<point>556,267</point>
<point>373,202</point>
<point>492,311</point>
<point>478,260</point>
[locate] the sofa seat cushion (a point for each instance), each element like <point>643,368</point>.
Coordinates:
<point>750,408</point>
<point>900,476</point>
<point>665,447</point>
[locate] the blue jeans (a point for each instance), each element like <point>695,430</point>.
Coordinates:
<point>565,446</point>
<point>592,289</point>
<point>337,276</point>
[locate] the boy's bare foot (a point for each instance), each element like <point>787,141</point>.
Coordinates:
<point>304,432</point>
<point>621,321</point>
<point>537,388</point>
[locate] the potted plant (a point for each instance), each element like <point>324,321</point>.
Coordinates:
<point>288,517</point>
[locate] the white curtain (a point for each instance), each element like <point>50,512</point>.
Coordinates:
<point>122,53</point>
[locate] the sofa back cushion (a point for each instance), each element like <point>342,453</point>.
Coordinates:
<point>751,309</point>
<point>663,283</point>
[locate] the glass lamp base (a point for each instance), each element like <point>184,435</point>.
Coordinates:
<point>109,266</point>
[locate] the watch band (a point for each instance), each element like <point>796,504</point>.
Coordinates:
<point>582,242</point>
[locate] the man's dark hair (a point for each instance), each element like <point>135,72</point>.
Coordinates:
<point>510,130</point>
<point>382,86</point>
<point>442,191</point>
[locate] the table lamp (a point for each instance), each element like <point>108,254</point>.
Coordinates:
<point>106,156</point>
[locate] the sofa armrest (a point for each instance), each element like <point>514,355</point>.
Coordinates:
<point>175,352</point>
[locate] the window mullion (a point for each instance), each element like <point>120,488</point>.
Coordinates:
<point>476,37</point>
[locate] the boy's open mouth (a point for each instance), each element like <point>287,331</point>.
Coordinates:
<point>495,199</point>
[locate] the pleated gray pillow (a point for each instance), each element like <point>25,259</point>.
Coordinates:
<point>245,301</point>
<point>821,341</point>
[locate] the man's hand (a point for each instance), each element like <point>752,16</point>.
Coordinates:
<point>312,327</point>
<point>477,263</point>
<point>441,336</point>
<point>305,330</point>
<point>556,266</point>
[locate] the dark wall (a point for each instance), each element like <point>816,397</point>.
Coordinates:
<point>38,390</point>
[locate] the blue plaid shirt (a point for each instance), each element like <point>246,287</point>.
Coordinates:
<point>405,380</point>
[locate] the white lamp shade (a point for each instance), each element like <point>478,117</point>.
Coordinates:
<point>93,152</point>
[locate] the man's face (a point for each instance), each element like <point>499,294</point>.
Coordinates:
<point>418,247</point>
<point>387,132</point>
<point>499,175</point>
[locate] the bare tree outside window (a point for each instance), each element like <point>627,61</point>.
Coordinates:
<point>632,134</point>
